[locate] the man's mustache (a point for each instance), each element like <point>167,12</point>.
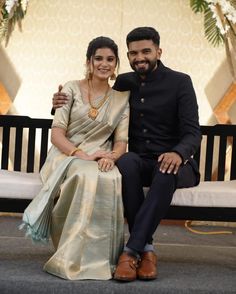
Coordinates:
<point>141,62</point>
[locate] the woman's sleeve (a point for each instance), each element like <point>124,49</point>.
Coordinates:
<point>121,131</point>
<point>62,114</point>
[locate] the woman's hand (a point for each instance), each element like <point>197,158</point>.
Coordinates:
<point>92,157</point>
<point>105,164</point>
<point>99,154</point>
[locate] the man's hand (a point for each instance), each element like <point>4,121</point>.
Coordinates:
<point>170,162</point>
<point>59,99</point>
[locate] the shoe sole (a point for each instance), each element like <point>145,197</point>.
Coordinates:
<point>121,279</point>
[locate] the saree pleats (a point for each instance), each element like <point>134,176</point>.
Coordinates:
<point>87,224</point>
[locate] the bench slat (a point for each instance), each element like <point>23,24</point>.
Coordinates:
<point>5,147</point>
<point>233,159</point>
<point>209,158</point>
<point>31,149</point>
<point>222,158</point>
<point>18,148</point>
<point>44,146</point>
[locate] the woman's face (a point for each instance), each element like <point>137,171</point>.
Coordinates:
<point>103,63</point>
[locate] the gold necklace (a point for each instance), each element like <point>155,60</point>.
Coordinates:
<point>93,111</point>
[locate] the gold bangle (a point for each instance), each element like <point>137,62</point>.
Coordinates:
<point>74,150</point>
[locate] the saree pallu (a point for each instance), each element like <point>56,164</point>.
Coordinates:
<point>80,206</point>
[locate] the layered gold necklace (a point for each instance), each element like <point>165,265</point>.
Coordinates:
<point>93,111</point>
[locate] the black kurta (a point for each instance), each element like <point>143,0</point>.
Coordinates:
<point>163,112</point>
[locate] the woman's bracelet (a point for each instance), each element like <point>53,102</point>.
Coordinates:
<point>74,150</point>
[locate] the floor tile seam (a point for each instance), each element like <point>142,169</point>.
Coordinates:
<point>10,237</point>
<point>191,245</point>
<point>155,244</point>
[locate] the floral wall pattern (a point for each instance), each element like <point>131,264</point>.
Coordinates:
<point>51,49</point>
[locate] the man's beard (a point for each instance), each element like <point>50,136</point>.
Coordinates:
<point>144,71</point>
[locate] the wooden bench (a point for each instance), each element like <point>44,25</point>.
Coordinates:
<point>28,140</point>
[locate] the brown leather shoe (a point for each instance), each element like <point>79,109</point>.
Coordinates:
<point>147,269</point>
<point>126,268</point>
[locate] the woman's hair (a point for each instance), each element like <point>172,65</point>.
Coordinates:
<point>143,33</point>
<point>102,42</point>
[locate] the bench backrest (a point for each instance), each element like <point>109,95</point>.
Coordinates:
<point>23,128</point>
<point>218,147</point>
<point>218,152</point>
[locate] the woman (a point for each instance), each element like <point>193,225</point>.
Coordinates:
<point>81,199</point>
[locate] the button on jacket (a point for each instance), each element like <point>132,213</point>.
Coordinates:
<point>163,112</point>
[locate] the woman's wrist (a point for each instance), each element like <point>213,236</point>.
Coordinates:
<point>73,151</point>
<point>114,155</point>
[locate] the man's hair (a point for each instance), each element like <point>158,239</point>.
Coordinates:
<point>102,42</point>
<point>143,33</point>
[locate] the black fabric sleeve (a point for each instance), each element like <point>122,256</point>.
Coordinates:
<point>188,125</point>
<point>53,111</point>
<point>125,82</point>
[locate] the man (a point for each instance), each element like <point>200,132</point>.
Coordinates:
<point>164,134</point>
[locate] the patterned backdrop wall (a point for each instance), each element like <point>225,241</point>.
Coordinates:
<point>51,49</point>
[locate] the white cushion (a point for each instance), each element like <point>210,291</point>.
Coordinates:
<point>15,184</point>
<point>207,194</point>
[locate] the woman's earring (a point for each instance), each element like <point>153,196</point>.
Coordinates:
<point>88,74</point>
<point>113,77</point>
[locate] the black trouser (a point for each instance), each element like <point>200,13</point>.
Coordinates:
<point>145,213</point>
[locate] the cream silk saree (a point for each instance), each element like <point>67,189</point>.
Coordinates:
<point>79,206</point>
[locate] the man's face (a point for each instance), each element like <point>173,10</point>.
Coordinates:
<point>143,56</point>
